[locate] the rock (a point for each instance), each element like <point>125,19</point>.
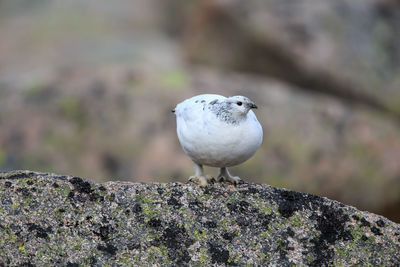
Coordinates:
<point>48,219</point>
<point>319,46</point>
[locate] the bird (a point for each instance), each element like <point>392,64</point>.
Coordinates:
<point>217,131</point>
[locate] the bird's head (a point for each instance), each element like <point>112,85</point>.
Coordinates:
<point>240,105</point>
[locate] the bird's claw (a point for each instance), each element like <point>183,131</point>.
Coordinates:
<point>202,180</point>
<point>210,179</point>
<point>231,179</point>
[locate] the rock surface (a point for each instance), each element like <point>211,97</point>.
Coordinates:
<point>48,219</point>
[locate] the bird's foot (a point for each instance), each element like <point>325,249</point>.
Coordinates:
<point>202,180</point>
<point>232,179</point>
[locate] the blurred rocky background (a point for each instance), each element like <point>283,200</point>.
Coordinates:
<point>86,88</point>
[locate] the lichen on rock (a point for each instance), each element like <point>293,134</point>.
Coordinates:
<point>48,219</point>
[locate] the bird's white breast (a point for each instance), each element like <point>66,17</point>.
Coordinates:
<point>210,141</point>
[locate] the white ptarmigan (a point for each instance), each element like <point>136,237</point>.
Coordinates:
<point>217,131</point>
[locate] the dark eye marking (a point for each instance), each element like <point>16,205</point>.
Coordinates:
<point>214,102</point>
<point>239,103</point>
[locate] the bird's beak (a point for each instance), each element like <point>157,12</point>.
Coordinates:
<point>252,105</point>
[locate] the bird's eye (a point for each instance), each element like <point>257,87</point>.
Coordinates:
<point>239,103</point>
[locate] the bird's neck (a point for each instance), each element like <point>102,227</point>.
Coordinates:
<point>225,114</point>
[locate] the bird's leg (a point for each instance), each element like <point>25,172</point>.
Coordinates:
<point>224,175</point>
<point>199,176</point>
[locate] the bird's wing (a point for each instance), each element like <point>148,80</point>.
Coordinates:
<point>194,108</point>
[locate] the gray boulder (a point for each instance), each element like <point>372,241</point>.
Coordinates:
<point>346,49</point>
<point>49,219</point>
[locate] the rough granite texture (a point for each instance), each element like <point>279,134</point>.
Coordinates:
<point>49,219</point>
